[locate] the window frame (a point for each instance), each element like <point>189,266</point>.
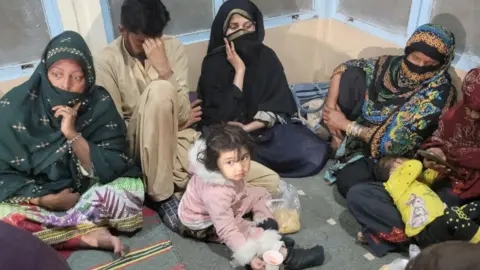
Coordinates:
<point>203,35</point>
<point>420,13</point>
<point>462,61</point>
<point>398,39</point>
<point>55,27</point>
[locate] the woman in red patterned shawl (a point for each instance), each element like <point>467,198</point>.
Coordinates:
<point>457,140</point>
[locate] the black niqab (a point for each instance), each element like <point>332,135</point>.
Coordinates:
<point>265,85</point>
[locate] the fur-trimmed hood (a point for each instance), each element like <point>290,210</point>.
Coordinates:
<point>197,168</point>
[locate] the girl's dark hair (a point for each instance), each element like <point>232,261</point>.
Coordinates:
<point>383,168</point>
<point>450,255</point>
<point>148,17</point>
<point>221,138</point>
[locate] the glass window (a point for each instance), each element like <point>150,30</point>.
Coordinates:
<point>461,18</point>
<point>390,15</point>
<point>277,8</point>
<point>24,31</point>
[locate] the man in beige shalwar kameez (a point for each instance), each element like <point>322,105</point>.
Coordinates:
<point>146,74</point>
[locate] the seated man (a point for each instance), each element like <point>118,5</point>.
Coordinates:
<point>146,73</point>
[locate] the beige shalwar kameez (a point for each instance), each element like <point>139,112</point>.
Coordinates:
<point>154,109</point>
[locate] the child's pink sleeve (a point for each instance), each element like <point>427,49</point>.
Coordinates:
<point>228,230</point>
<point>258,197</point>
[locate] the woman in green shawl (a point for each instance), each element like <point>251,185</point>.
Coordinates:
<point>64,172</point>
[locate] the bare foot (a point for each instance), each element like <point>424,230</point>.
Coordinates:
<point>103,239</point>
<point>361,238</point>
<point>62,201</point>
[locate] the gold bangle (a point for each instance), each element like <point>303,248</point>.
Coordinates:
<point>349,128</point>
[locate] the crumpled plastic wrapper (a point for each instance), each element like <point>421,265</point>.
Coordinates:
<point>286,209</point>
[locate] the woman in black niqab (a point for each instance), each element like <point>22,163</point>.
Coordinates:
<point>243,83</point>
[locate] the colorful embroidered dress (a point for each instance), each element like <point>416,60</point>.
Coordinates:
<point>402,105</point>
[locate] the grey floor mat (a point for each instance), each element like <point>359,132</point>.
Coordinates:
<point>319,204</point>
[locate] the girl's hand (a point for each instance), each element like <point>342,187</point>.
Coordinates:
<point>69,116</point>
<point>232,57</point>
<point>257,264</point>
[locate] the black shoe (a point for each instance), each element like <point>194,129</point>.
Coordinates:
<point>268,224</point>
<point>289,242</point>
<point>298,259</point>
<point>168,212</point>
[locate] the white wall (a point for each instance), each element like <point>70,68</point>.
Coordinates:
<point>84,17</point>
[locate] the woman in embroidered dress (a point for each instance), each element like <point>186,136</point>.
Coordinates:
<point>457,140</point>
<point>388,105</point>
<point>64,175</point>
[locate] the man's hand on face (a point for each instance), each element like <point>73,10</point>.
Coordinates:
<point>155,52</point>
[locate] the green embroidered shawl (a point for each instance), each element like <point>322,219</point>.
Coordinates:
<point>34,154</point>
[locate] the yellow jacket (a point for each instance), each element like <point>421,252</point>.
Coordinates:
<point>417,203</point>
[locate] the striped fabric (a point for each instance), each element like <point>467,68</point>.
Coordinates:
<point>137,256</point>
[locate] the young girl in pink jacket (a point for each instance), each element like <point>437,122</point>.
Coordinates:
<point>217,198</point>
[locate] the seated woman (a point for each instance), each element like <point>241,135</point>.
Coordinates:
<point>457,138</point>
<point>243,84</point>
<point>388,105</point>
<point>62,148</point>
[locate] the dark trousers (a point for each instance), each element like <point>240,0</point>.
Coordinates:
<point>350,100</point>
<point>383,227</point>
<point>360,171</point>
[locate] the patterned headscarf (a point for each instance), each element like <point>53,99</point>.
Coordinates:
<point>471,89</point>
<point>436,42</point>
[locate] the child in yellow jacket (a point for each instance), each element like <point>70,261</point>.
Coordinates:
<point>426,217</point>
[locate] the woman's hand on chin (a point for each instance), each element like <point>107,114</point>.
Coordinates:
<point>62,201</point>
<point>69,116</point>
<point>232,57</point>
